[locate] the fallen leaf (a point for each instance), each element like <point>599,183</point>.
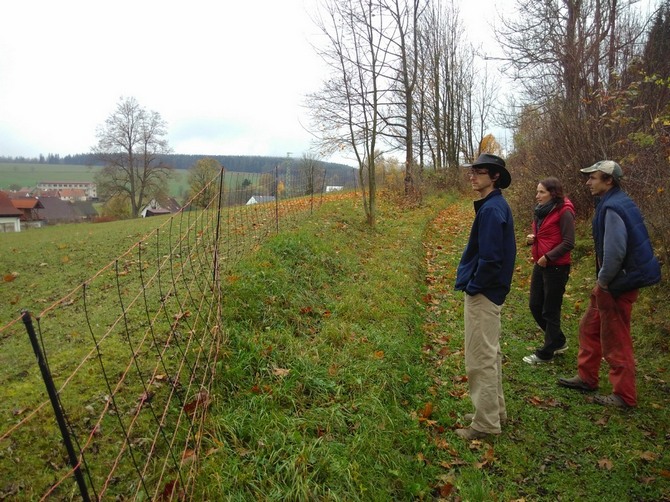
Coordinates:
<point>170,490</point>
<point>379,354</point>
<point>649,456</point>
<point>426,412</point>
<point>281,372</point>
<point>605,463</point>
<point>445,490</point>
<point>200,401</point>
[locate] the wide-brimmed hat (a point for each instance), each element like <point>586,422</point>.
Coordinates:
<point>498,165</point>
<point>605,166</point>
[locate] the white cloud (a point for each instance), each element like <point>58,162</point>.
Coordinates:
<point>228,77</point>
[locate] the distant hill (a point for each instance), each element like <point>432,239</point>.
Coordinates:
<point>234,163</point>
<point>25,172</point>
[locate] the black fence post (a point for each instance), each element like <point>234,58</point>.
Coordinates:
<point>215,272</point>
<point>53,396</point>
<point>277,198</point>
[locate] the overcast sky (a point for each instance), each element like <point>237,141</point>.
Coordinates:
<point>228,76</point>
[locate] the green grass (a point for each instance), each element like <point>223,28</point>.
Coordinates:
<point>28,175</point>
<point>343,378</point>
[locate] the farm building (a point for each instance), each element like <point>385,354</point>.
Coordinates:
<point>89,189</point>
<point>156,208</point>
<point>73,194</point>
<point>85,209</point>
<point>10,217</point>
<point>29,207</point>
<point>58,211</point>
<point>260,199</point>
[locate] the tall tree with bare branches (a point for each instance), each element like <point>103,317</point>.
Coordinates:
<point>347,110</point>
<point>130,144</point>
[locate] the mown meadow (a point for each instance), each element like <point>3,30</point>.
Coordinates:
<point>28,175</point>
<point>342,374</point>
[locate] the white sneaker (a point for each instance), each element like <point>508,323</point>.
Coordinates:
<point>562,350</point>
<point>533,359</point>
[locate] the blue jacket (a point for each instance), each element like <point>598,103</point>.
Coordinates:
<point>487,263</point>
<point>639,267</point>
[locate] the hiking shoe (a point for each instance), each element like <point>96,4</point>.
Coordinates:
<point>575,383</point>
<point>562,350</point>
<point>468,417</point>
<point>469,433</point>
<point>612,400</point>
<point>533,359</point>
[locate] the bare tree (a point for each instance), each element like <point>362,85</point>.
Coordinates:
<point>565,56</point>
<point>403,61</point>
<point>130,144</point>
<point>310,172</point>
<point>347,110</point>
<point>455,96</point>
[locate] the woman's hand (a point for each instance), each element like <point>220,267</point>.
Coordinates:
<point>530,239</point>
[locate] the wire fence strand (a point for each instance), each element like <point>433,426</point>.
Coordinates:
<point>133,349</point>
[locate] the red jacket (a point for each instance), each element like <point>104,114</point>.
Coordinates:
<point>549,234</point>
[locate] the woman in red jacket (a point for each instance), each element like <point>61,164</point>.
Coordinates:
<point>552,239</point>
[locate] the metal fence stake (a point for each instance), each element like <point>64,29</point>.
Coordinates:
<point>53,396</point>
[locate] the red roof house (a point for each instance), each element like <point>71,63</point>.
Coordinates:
<point>10,217</point>
<point>29,208</point>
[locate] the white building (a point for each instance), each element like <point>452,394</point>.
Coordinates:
<point>89,188</point>
<point>260,199</point>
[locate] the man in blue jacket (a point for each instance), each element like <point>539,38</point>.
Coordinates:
<point>625,262</point>
<point>485,275</point>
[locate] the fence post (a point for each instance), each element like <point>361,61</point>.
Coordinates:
<point>277,198</point>
<point>53,396</point>
<point>215,272</point>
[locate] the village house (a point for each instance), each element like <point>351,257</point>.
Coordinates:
<point>29,207</point>
<point>89,189</point>
<point>260,199</point>
<point>10,217</point>
<point>156,208</point>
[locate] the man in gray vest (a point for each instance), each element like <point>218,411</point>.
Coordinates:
<point>625,262</point>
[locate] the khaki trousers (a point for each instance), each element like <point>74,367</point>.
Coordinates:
<point>483,362</point>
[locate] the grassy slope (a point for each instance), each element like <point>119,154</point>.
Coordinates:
<point>343,378</point>
<point>28,175</point>
<point>50,262</point>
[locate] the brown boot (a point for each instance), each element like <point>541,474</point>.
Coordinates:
<point>575,383</point>
<point>469,433</point>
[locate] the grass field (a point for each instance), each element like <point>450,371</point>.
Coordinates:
<point>28,175</point>
<point>343,376</point>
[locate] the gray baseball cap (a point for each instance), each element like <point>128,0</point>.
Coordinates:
<point>605,166</point>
